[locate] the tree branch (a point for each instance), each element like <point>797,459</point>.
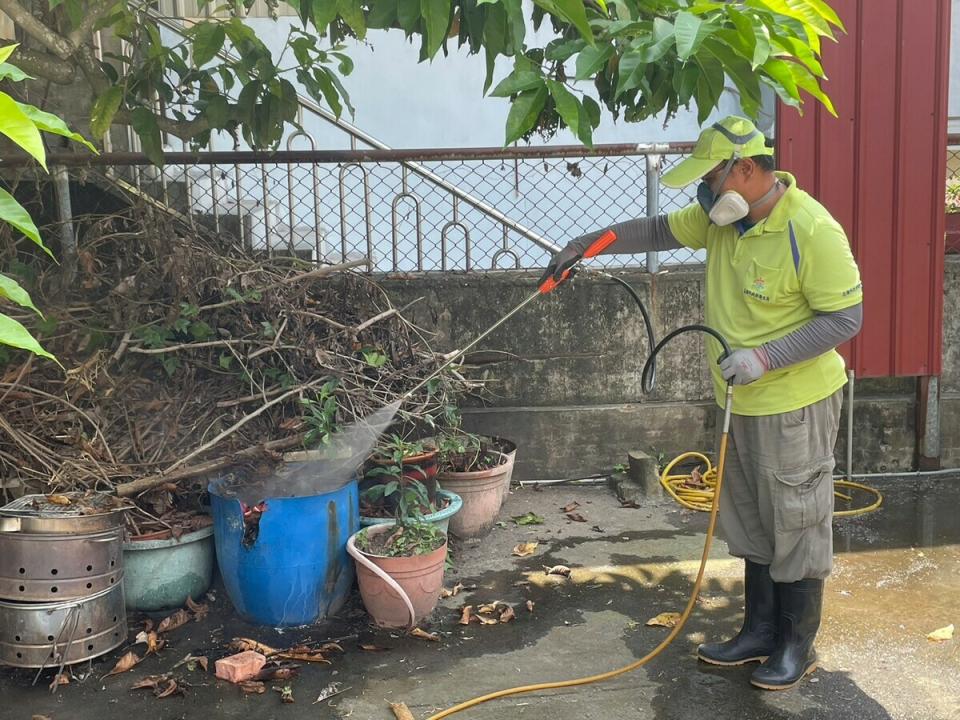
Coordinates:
<point>45,66</point>
<point>92,14</point>
<point>53,41</point>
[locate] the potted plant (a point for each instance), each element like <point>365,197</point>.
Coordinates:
<point>952,207</point>
<point>400,566</point>
<point>405,461</point>
<point>479,473</point>
<point>377,500</point>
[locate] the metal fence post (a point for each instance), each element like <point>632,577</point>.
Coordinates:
<point>653,204</point>
<point>68,240</point>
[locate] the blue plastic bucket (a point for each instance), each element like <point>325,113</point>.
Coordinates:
<point>297,570</point>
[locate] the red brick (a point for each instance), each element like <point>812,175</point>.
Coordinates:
<point>241,666</point>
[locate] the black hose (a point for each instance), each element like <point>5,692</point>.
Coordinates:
<point>649,376</point>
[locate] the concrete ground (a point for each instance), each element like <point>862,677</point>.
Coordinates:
<point>897,578</point>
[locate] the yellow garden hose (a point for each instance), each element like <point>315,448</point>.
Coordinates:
<point>696,490</point>
<point>708,541</point>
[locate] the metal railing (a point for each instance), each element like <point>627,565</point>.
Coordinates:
<point>474,209</point>
<point>478,207</point>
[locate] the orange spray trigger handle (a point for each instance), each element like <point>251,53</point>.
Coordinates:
<point>605,240</point>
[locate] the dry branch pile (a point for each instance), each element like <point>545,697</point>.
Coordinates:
<point>183,357</point>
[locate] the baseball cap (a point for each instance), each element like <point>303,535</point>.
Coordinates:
<point>731,137</point>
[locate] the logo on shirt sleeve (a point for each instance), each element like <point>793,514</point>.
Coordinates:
<point>855,289</point>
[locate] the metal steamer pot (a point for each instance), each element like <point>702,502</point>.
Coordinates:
<point>61,580</point>
<point>50,552</point>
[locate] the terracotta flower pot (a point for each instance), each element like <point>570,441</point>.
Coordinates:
<point>482,492</point>
<point>420,577</point>
<point>508,448</point>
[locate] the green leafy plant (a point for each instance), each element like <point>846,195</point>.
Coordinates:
<point>23,124</point>
<point>413,536</point>
<point>953,195</point>
<point>321,415</point>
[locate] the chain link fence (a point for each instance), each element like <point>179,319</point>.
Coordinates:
<point>953,195</point>
<point>443,210</point>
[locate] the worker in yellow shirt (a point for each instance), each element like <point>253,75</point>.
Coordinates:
<point>784,290</point>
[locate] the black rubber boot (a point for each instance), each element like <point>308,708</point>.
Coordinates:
<point>758,636</point>
<point>800,606</point>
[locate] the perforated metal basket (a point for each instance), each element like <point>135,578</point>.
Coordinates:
<point>34,635</point>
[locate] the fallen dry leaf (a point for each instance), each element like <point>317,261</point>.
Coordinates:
<point>252,687</point>
<point>180,617</point>
<point>127,662</point>
<point>530,604</point>
<point>664,619</point>
<point>557,570</point>
<point>240,644</point>
<point>199,610</point>
<point>171,689</point>
<point>147,626</point>
<point>401,711</point>
<point>465,614</point>
<point>629,504</point>
<point>524,549</point>
<point>576,517</point>
<point>59,679</point>
<point>286,694</point>
<point>507,615</point>
<point>424,635</point>
<point>484,620</point>
<point>304,654</point>
<point>489,607</point>
<point>41,717</point>
<point>277,673</point>
<point>154,643</point>
<point>151,682</point>
<point>327,647</point>
<point>570,507</point>
<point>941,634</point>
<point>373,648</point>
<point>58,500</point>
<point>444,593</point>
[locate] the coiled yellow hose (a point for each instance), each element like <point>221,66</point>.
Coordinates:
<point>695,490</point>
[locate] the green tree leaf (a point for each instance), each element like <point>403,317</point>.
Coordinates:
<point>47,122</point>
<point>567,106</point>
<point>436,16</point>
<point>524,113</point>
<point>324,12</point>
<point>10,289</point>
<point>104,109</point>
<point>145,124</point>
<point>687,33</point>
<point>208,39</point>
<point>592,59</point>
<point>16,335</point>
<point>13,212</point>
<point>6,51</point>
<point>808,82</point>
<point>408,14</point>
<point>575,12</point>
<point>12,73</point>
<point>740,72</point>
<point>21,129</point>
<point>518,81</point>
<point>352,13</point>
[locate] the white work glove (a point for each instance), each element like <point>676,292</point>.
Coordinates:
<point>742,367</point>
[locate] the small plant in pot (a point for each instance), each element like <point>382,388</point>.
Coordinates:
<point>400,566</point>
<point>477,472</point>
<point>405,461</point>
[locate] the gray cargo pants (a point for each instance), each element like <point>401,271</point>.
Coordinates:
<point>776,503</point>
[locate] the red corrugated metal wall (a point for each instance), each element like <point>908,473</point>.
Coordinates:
<point>880,167</point>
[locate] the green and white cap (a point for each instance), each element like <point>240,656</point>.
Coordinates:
<point>732,137</point>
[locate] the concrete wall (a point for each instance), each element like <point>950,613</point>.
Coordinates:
<point>564,375</point>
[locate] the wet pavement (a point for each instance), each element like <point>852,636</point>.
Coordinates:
<point>896,579</point>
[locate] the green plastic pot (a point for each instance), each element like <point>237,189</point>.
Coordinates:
<point>161,574</point>
<point>441,518</point>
